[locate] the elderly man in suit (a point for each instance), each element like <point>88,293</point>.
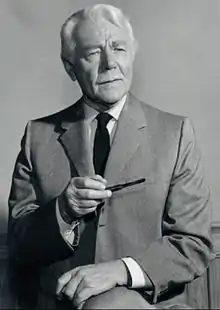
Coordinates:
<point>72,239</point>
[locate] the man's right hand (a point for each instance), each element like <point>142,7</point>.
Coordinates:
<point>84,194</point>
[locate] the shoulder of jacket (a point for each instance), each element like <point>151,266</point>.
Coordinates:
<point>50,122</point>
<point>155,112</point>
<point>162,123</point>
<point>41,130</point>
<point>158,118</point>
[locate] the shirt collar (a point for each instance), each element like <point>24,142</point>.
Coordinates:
<point>115,111</point>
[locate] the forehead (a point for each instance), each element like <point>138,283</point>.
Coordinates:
<point>89,33</point>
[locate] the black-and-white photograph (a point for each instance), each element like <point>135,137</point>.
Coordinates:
<point>110,170</point>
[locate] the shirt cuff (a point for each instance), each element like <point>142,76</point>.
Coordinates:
<point>138,276</point>
<point>70,232</point>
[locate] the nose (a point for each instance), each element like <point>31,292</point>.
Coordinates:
<point>108,60</point>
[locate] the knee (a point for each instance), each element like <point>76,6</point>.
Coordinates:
<point>107,300</point>
<point>117,298</point>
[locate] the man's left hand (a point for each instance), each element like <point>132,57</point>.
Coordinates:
<point>84,282</point>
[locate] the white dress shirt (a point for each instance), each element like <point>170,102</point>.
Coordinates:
<point>138,277</point>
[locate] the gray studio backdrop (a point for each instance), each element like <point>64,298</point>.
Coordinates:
<point>177,69</point>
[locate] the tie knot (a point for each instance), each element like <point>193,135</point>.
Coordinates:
<point>103,119</point>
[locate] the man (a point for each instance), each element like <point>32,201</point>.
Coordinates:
<point>71,239</point>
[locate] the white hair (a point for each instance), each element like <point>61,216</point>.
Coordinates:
<point>94,13</point>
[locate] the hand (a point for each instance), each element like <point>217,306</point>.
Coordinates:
<point>84,282</point>
<point>83,194</point>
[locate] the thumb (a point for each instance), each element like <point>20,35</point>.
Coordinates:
<point>98,177</point>
<point>62,281</point>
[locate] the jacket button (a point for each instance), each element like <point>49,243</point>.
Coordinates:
<point>101,224</point>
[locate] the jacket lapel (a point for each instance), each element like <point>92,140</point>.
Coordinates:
<point>75,140</point>
<point>127,140</point>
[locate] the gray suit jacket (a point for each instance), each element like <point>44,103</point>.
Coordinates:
<point>164,224</point>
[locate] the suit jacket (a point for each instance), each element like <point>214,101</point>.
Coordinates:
<point>164,223</point>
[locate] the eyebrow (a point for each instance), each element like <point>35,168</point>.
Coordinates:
<point>92,46</point>
<point>119,42</point>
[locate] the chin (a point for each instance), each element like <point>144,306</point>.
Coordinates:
<point>111,98</point>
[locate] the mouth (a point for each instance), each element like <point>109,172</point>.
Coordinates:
<point>109,81</point>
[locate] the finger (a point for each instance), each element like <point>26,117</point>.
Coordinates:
<point>80,306</point>
<point>62,281</point>
<point>92,194</point>
<point>88,204</point>
<point>82,294</point>
<point>88,182</point>
<point>84,211</point>
<point>65,278</point>
<point>71,287</point>
<point>99,178</point>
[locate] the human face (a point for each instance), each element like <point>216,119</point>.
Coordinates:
<point>103,64</point>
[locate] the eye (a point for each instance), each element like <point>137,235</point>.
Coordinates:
<point>92,54</point>
<point>119,49</point>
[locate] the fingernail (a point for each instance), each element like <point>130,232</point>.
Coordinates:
<point>102,186</point>
<point>59,296</point>
<point>109,193</point>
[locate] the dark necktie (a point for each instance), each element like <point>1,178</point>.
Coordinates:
<point>101,143</point>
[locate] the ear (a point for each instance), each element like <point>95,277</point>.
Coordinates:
<point>69,67</point>
<point>135,47</point>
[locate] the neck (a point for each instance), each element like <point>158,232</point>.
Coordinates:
<point>101,106</point>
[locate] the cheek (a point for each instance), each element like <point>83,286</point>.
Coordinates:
<point>127,72</point>
<point>87,78</point>
<point>91,78</point>
<point>126,68</point>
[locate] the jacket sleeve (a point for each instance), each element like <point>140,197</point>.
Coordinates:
<point>34,235</point>
<point>185,248</point>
